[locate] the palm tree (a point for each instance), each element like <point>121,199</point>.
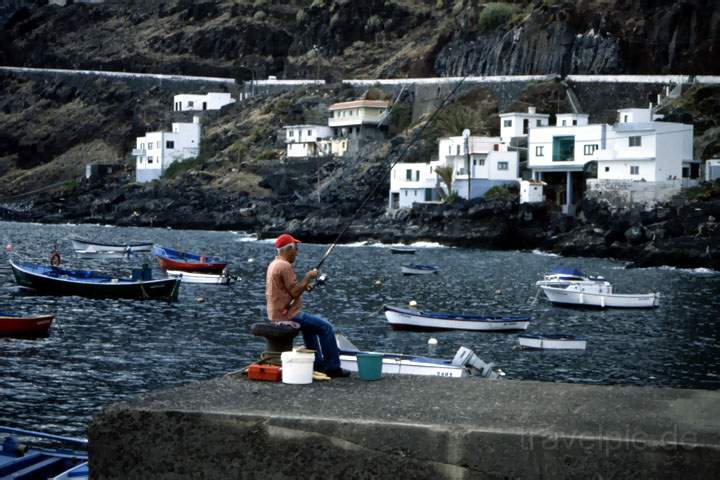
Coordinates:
<point>446,175</point>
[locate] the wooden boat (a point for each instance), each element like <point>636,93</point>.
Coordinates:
<point>414,269</point>
<point>408,319</point>
<point>598,296</point>
<point>170,259</point>
<point>464,364</point>
<point>88,246</point>
<point>564,277</point>
<point>558,341</point>
<point>207,278</point>
<point>59,281</point>
<point>25,326</point>
<point>34,455</point>
<point>402,250</point>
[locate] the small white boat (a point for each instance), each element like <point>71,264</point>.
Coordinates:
<point>564,277</point>
<point>557,341</point>
<point>464,364</point>
<point>80,244</point>
<point>600,296</point>
<point>207,278</point>
<point>90,252</point>
<point>414,269</point>
<point>407,319</point>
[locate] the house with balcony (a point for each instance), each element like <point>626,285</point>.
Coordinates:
<point>477,165</point>
<point>210,101</point>
<point>358,121</point>
<point>156,151</point>
<point>307,141</point>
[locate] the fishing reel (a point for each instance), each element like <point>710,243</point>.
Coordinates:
<point>319,281</point>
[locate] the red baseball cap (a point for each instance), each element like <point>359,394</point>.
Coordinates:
<point>285,239</point>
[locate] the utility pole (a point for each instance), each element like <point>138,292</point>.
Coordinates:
<point>466,137</point>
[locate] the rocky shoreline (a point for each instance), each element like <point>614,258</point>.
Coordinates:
<point>684,233</point>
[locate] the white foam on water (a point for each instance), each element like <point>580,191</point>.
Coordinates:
<point>544,254</point>
<point>696,271</point>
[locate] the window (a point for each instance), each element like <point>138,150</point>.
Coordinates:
<point>607,169</point>
<point>149,159</point>
<point>539,151</point>
<point>449,149</point>
<point>635,141</point>
<point>564,123</point>
<point>496,147</point>
<point>142,146</point>
<point>574,122</point>
<point>625,118</point>
<point>309,133</point>
<point>507,123</point>
<point>170,144</point>
<point>474,161</point>
<point>563,149</point>
<point>417,175</point>
<point>538,123</point>
<point>406,193</point>
<point>291,133</point>
<point>408,174</point>
<point>526,126</point>
<point>634,170</point>
<point>150,146</point>
<point>590,149</point>
<point>502,165</point>
<point>428,194</point>
<point>457,149</point>
<point>191,104</point>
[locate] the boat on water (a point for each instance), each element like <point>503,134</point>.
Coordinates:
<point>31,326</point>
<point>403,250</point>
<point>564,277</point>
<point>59,281</point>
<point>552,341</point>
<point>415,269</point>
<point>176,260</point>
<point>464,364</point>
<point>409,319</point>
<point>29,455</point>
<point>206,278</point>
<point>89,246</point>
<point>599,296</point>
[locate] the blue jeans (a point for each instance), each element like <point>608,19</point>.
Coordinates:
<point>319,335</point>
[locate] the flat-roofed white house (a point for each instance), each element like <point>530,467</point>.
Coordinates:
<point>210,101</point>
<point>307,140</point>
<point>518,124</point>
<point>358,120</point>
<point>156,151</point>
<point>491,164</point>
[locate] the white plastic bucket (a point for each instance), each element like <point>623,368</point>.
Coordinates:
<point>297,367</point>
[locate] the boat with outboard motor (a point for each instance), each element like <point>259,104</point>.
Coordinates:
<point>90,246</point>
<point>30,326</point>
<point>415,269</point>
<point>59,281</point>
<point>410,319</point>
<point>30,455</point>
<point>552,341</point>
<point>562,277</point>
<point>599,295</point>
<point>176,260</point>
<point>464,364</point>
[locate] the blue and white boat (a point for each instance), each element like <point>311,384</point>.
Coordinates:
<point>465,363</point>
<point>552,341</point>
<point>29,455</point>
<point>81,245</point>
<point>176,260</point>
<point>563,277</point>
<point>415,269</point>
<point>410,319</point>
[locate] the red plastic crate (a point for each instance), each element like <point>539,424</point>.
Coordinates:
<point>265,373</point>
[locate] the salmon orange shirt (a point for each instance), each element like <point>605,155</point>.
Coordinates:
<point>279,280</point>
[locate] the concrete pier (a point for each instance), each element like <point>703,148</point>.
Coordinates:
<point>408,428</point>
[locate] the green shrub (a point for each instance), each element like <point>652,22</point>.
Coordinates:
<point>495,15</point>
<point>178,168</point>
<point>268,154</point>
<point>501,192</point>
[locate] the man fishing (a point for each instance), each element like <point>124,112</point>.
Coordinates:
<point>284,304</point>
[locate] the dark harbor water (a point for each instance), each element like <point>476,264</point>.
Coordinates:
<point>112,350</point>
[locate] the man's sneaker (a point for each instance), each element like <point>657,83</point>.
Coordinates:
<point>338,373</point>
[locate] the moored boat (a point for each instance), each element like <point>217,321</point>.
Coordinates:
<point>564,277</point>
<point>408,319</point>
<point>80,244</point>
<point>599,296</point>
<point>25,454</point>
<point>403,250</point>
<point>12,325</point>
<point>206,278</point>
<point>552,341</point>
<point>464,364</point>
<point>59,281</point>
<point>415,269</point>
<point>176,260</point>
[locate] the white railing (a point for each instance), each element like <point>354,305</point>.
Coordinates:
<point>136,152</point>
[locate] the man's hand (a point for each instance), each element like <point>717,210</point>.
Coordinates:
<point>311,275</point>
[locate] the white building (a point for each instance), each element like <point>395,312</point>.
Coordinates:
<point>490,164</point>
<point>712,170</point>
<point>156,151</point>
<point>518,124</point>
<point>210,101</point>
<point>308,140</point>
<point>357,121</point>
<point>531,191</point>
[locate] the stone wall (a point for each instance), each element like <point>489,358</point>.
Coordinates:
<point>625,193</point>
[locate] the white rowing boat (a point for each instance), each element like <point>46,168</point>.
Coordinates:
<point>408,319</point>
<point>414,269</point>
<point>80,244</point>
<point>558,341</point>
<point>598,296</point>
